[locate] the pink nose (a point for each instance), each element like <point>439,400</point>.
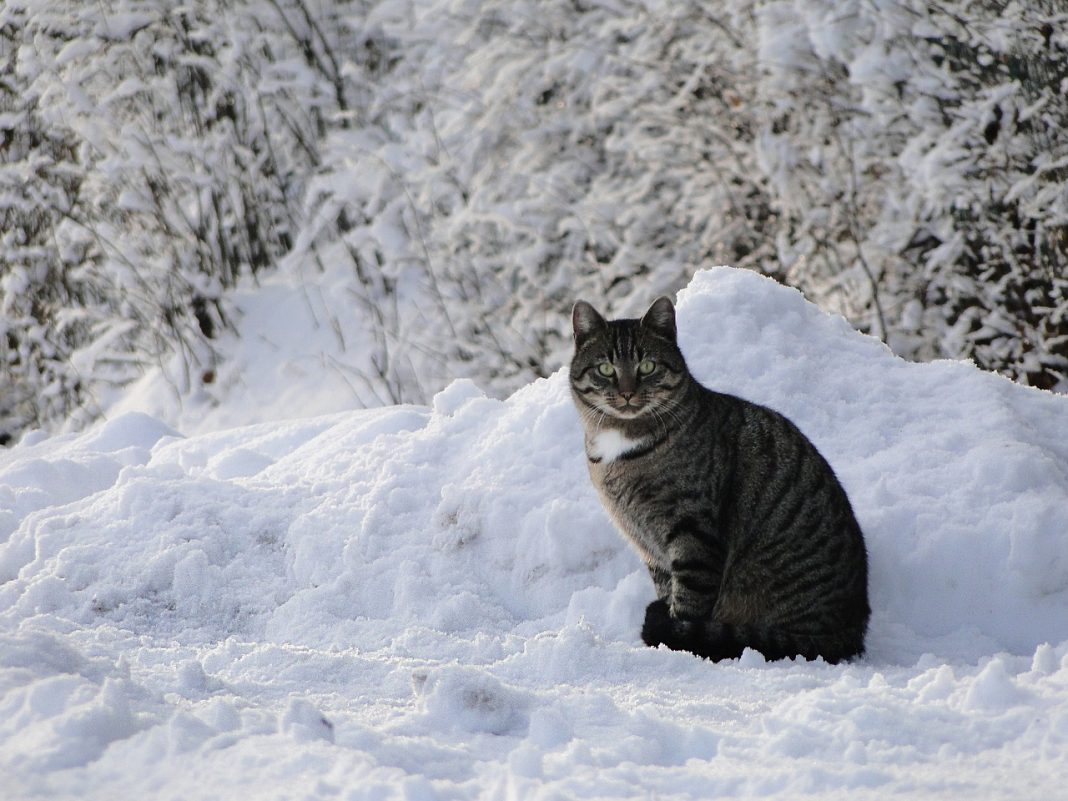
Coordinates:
<point>626,396</point>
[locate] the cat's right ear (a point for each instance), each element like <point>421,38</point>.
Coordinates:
<point>586,321</point>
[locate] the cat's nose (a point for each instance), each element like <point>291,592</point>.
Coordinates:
<point>626,396</point>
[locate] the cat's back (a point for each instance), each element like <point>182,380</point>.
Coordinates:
<point>775,460</point>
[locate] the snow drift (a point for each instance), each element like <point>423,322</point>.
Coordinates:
<point>431,602</point>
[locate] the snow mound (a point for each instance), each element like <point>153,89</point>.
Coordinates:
<point>364,586</point>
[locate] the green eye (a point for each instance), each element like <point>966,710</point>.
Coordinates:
<point>606,369</point>
<point>646,366</point>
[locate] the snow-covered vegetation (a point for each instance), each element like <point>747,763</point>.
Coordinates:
<point>429,602</point>
<point>450,174</point>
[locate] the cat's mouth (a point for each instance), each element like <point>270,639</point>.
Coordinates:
<point>628,410</point>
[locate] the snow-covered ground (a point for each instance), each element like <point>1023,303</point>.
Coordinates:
<point>429,603</point>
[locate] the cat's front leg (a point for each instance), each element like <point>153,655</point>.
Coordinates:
<point>657,627</point>
<point>687,592</point>
<point>696,559</point>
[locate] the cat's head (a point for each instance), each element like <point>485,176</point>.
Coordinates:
<point>626,368</point>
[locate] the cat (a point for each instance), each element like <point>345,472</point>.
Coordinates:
<point>748,535</point>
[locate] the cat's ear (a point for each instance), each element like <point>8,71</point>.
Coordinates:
<point>661,318</point>
<point>586,321</point>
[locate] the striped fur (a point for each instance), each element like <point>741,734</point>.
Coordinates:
<point>748,535</point>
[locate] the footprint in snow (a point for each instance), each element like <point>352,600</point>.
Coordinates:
<point>456,697</point>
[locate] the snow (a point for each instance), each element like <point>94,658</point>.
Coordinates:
<point>430,603</point>
<point>299,348</point>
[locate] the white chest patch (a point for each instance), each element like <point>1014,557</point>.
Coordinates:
<point>607,446</point>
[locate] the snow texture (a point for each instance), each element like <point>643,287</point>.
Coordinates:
<point>430,603</point>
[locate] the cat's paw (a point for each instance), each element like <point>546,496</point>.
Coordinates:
<point>658,626</point>
<point>663,628</point>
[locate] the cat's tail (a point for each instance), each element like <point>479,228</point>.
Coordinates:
<point>717,640</point>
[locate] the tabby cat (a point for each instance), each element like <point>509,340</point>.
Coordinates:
<point>746,531</point>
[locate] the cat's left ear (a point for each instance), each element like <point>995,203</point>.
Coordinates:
<point>661,318</point>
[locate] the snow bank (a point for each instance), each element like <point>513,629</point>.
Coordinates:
<point>430,601</point>
<point>959,477</point>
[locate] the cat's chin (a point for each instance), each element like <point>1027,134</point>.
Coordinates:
<point>629,412</point>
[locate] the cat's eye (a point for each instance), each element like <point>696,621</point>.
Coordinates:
<point>646,366</point>
<point>606,369</point>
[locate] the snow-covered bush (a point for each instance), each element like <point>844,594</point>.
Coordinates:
<point>154,153</point>
<point>507,157</point>
<point>473,167</point>
<point>902,165</point>
<point>46,306</point>
<point>919,158</point>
